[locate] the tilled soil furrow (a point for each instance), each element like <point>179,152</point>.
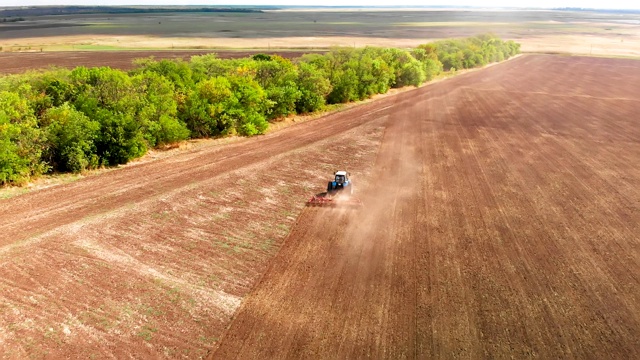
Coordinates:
<point>496,248</point>
<point>527,248</point>
<point>567,288</point>
<point>363,260</point>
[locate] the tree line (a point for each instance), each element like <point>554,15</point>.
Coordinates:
<point>63,120</point>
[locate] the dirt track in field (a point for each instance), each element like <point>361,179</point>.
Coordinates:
<point>501,219</point>
<point>13,63</point>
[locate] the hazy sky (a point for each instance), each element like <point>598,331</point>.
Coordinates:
<point>615,4</point>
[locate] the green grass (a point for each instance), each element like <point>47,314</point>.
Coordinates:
<point>103,26</point>
<point>97,47</point>
<point>151,311</point>
<point>174,294</point>
<point>342,23</point>
<point>208,340</point>
<point>12,191</point>
<point>43,181</point>
<point>267,244</point>
<point>147,332</point>
<point>450,24</point>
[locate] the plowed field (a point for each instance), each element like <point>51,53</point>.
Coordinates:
<point>501,219</point>
<point>12,63</point>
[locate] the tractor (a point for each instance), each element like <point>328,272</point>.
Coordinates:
<point>339,192</point>
<point>340,183</point>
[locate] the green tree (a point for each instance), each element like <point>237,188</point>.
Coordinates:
<point>109,97</point>
<point>120,138</point>
<point>248,106</point>
<point>21,140</point>
<point>204,110</point>
<point>341,73</point>
<point>431,66</point>
<point>314,87</point>
<point>157,110</point>
<point>278,77</point>
<point>471,52</point>
<point>71,136</point>
<point>344,84</point>
<point>87,117</point>
<point>177,71</point>
<point>59,91</point>
<point>374,74</point>
<point>207,66</point>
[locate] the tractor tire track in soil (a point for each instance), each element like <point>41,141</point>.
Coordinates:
<point>501,216</point>
<point>501,220</point>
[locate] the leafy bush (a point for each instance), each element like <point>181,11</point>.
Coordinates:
<point>314,88</point>
<point>21,140</point>
<point>204,108</point>
<point>120,138</point>
<point>472,52</point>
<point>249,106</point>
<point>71,136</point>
<point>157,109</point>
<point>278,77</point>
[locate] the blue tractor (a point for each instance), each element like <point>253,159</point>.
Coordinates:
<point>341,183</point>
<point>340,186</point>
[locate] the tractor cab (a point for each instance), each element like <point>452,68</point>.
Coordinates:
<point>339,193</point>
<point>341,182</point>
<point>342,177</point>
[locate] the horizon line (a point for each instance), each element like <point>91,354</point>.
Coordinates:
<point>327,7</point>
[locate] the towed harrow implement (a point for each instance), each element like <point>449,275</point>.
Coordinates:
<point>332,201</point>
<point>339,193</point>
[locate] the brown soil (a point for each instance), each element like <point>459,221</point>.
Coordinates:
<point>153,259</point>
<point>501,216</point>
<point>501,220</point>
<point>12,63</point>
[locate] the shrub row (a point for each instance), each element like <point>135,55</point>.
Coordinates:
<point>71,120</point>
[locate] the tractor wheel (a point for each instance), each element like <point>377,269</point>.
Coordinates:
<point>329,187</point>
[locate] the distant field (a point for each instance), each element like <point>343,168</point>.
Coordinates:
<point>18,62</point>
<point>539,31</point>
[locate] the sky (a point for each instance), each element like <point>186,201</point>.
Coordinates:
<point>601,4</point>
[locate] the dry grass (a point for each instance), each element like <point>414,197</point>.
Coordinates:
<point>556,43</point>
